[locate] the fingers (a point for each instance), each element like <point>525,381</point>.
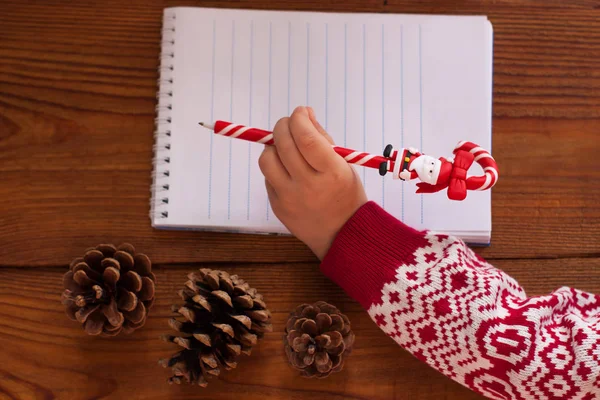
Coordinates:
<point>288,151</point>
<point>272,168</point>
<point>273,197</point>
<point>313,119</point>
<point>313,146</point>
<point>271,192</point>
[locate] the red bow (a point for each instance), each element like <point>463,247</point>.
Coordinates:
<point>456,181</point>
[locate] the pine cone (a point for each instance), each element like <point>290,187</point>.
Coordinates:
<point>318,339</point>
<point>221,318</point>
<point>109,290</point>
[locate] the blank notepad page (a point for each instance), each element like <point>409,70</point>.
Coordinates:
<point>409,80</point>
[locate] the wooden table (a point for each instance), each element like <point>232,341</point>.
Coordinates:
<point>77,97</point>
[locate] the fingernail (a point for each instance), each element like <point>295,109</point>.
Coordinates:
<point>311,112</point>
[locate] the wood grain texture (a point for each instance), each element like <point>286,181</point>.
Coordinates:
<point>44,355</point>
<point>77,97</point>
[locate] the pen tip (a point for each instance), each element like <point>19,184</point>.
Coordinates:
<point>207,125</point>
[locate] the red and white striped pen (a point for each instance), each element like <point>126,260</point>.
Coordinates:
<point>404,163</point>
<point>232,130</point>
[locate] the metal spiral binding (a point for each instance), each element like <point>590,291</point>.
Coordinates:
<point>159,201</point>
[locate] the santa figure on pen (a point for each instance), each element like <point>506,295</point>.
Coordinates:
<point>437,174</point>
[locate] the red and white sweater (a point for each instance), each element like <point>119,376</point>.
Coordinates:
<point>448,307</point>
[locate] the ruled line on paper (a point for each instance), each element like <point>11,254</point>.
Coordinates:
<point>364,37</point>
<point>307,61</point>
<point>326,73</point>
<point>345,80</point>
<point>421,107</point>
<point>402,102</point>
<point>250,117</point>
<point>269,96</point>
<point>231,116</point>
<point>212,113</point>
<point>289,66</point>
<point>383,107</point>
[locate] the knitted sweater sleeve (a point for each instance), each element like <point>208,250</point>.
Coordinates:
<point>448,307</point>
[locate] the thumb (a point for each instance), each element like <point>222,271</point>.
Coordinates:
<point>317,125</point>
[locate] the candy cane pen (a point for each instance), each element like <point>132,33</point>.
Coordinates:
<point>232,130</point>
<point>434,174</point>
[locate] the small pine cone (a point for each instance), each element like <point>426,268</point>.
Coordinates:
<point>318,339</point>
<point>109,290</point>
<point>222,317</point>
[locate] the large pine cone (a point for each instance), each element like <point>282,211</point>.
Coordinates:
<point>109,289</point>
<point>221,318</point>
<point>318,339</point>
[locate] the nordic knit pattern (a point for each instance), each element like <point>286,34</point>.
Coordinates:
<point>472,322</point>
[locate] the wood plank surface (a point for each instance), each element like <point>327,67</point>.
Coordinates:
<point>77,97</point>
<point>45,355</point>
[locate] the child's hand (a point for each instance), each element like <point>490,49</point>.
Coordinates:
<point>312,190</point>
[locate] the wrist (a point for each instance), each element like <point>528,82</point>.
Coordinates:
<point>323,243</point>
<point>367,251</point>
<point>320,249</point>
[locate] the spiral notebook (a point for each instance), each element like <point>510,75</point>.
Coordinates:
<point>420,81</point>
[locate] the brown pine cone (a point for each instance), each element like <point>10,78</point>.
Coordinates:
<point>318,339</point>
<point>222,317</point>
<point>109,290</point>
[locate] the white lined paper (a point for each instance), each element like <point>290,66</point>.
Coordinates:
<point>371,79</point>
